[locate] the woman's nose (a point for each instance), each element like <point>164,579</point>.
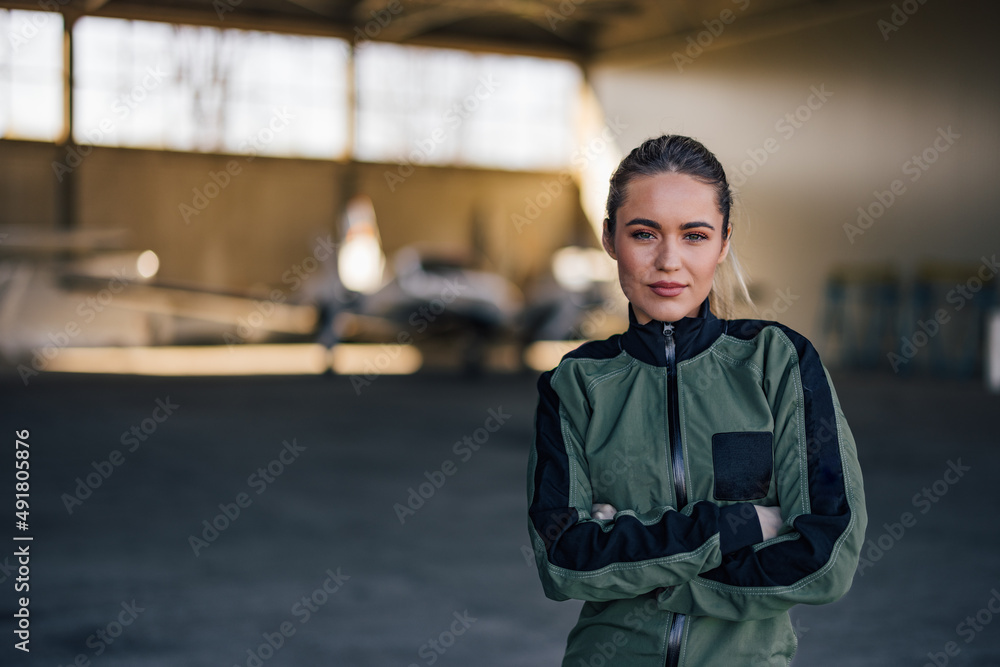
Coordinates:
<point>668,257</point>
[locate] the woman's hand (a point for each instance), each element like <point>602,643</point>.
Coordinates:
<point>603,511</point>
<point>770,520</point>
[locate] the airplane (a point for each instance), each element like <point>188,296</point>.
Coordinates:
<point>53,282</point>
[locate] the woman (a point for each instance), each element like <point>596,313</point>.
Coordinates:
<point>692,478</point>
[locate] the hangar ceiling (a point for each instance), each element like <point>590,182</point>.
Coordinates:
<point>579,29</point>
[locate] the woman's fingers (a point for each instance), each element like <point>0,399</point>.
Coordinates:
<point>603,511</point>
<point>770,520</point>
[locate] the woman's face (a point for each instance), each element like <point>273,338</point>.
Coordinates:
<point>667,242</point>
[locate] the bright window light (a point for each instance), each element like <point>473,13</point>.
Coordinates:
<point>439,106</point>
<point>156,85</point>
<point>31,64</point>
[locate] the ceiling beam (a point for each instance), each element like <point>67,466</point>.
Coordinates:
<point>746,29</point>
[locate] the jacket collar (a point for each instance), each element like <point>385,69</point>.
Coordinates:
<point>692,336</point>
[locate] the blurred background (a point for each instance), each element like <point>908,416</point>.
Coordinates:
<point>237,232</point>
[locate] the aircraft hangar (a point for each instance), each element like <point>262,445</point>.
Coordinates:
<point>279,280</point>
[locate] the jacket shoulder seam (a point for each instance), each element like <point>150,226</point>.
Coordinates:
<point>607,376</point>
<point>570,361</point>
<point>758,371</point>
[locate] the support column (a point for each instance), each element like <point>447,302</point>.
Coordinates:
<point>66,187</point>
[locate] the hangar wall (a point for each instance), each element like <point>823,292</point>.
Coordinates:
<point>28,193</point>
<point>884,95</point>
<point>270,211</point>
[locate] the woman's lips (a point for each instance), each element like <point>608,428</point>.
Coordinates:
<point>667,289</point>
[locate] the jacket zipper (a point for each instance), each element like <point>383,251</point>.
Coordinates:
<point>676,633</point>
<point>676,451</point>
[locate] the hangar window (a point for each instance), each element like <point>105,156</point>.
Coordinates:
<point>31,72</point>
<point>181,87</point>
<point>441,106</point>
<point>156,85</point>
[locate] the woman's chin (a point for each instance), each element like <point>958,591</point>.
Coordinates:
<point>667,312</point>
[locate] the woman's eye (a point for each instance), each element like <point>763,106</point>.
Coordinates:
<point>642,234</point>
<point>695,236</point>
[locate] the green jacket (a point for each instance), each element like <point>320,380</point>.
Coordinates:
<point>683,427</point>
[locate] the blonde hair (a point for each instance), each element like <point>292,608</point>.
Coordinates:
<point>729,293</point>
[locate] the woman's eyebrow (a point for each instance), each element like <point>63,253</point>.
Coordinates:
<point>643,221</point>
<point>655,225</point>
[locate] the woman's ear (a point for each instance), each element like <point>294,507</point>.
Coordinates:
<point>608,242</point>
<point>725,246</point>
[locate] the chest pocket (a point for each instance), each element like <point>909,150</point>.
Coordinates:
<point>743,463</point>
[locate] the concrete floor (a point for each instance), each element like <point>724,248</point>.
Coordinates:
<point>454,571</point>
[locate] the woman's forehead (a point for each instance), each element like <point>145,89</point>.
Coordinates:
<point>670,196</point>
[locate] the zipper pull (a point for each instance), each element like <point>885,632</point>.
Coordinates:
<point>668,346</point>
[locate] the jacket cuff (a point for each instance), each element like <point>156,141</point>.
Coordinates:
<point>738,527</point>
